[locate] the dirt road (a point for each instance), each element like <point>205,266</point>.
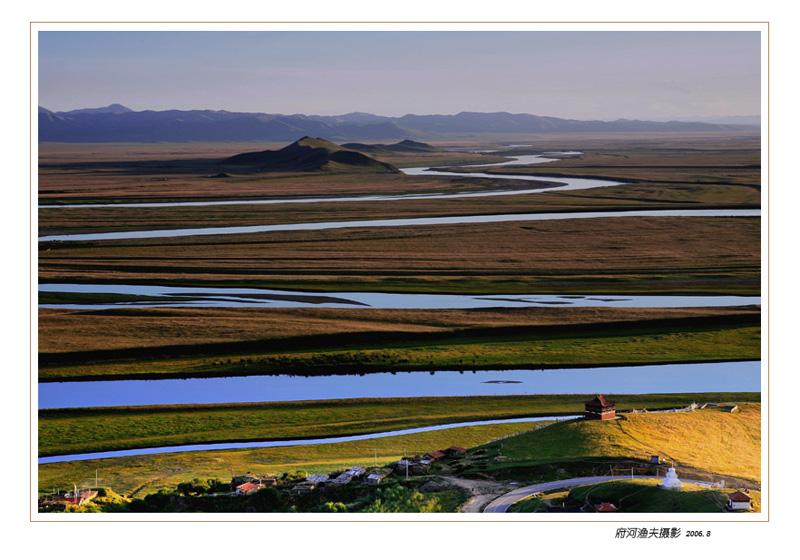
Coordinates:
<point>481,492</point>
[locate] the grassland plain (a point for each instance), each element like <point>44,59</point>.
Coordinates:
<point>706,441</point>
<point>144,474</point>
<point>68,330</point>
<point>627,255</point>
<point>67,431</point>
<point>149,171</point>
<point>665,255</point>
<point>631,255</point>
<point>693,336</point>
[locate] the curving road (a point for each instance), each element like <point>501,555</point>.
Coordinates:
<point>501,504</point>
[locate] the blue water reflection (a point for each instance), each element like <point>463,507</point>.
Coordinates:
<point>676,378</point>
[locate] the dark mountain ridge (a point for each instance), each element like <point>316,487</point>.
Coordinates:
<point>117,123</point>
<point>307,154</point>
<point>402,146</point>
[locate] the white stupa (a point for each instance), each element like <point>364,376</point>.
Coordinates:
<point>671,480</point>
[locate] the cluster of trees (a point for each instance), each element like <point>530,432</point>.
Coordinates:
<point>199,487</point>
<point>213,496</point>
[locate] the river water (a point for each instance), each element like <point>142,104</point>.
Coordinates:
<point>445,220</point>
<point>672,378</point>
<point>718,377</point>
<point>675,378</point>
<point>565,183</point>
<point>252,297</point>
<point>287,443</point>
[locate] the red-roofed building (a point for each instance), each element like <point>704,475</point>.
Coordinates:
<point>605,507</point>
<point>599,408</point>
<point>248,488</point>
<point>435,455</point>
<point>740,501</point>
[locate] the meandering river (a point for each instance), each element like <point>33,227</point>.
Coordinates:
<point>675,378</point>
<point>286,443</point>
<point>718,377</point>
<point>565,183</point>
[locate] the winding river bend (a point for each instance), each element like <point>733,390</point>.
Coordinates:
<point>286,443</point>
<point>723,377</point>
<point>738,376</point>
<point>565,183</point>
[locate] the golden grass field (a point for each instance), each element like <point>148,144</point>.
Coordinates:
<point>707,440</point>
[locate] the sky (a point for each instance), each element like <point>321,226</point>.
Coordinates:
<point>567,74</point>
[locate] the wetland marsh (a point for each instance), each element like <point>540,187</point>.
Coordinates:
<point>541,293</point>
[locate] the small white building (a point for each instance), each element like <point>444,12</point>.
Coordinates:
<point>740,501</point>
<point>671,481</point>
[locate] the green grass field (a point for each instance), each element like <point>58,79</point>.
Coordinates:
<point>66,431</point>
<point>705,441</point>
<point>638,496</point>
<point>145,474</point>
<point>365,341</point>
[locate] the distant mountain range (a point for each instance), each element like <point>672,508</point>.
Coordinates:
<point>117,123</point>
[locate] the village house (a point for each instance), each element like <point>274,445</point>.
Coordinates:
<point>605,507</point>
<point>376,477</point>
<point>740,501</point>
<point>343,478</point>
<point>435,455</point>
<point>248,488</point>
<point>599,408</point>
<point>412,466</point>
<point>303,487</point>
<point>357,472</point>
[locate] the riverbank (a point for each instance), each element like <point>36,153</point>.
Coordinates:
<point>115,428</point>
<point>364,341</point>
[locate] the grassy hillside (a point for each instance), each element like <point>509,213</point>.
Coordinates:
<point>708,440</point>
<point>638,496</point>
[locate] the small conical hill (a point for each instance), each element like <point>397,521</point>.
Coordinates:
<point>309,154</point>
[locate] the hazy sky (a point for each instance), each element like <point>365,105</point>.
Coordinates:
<point>571,74</point>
